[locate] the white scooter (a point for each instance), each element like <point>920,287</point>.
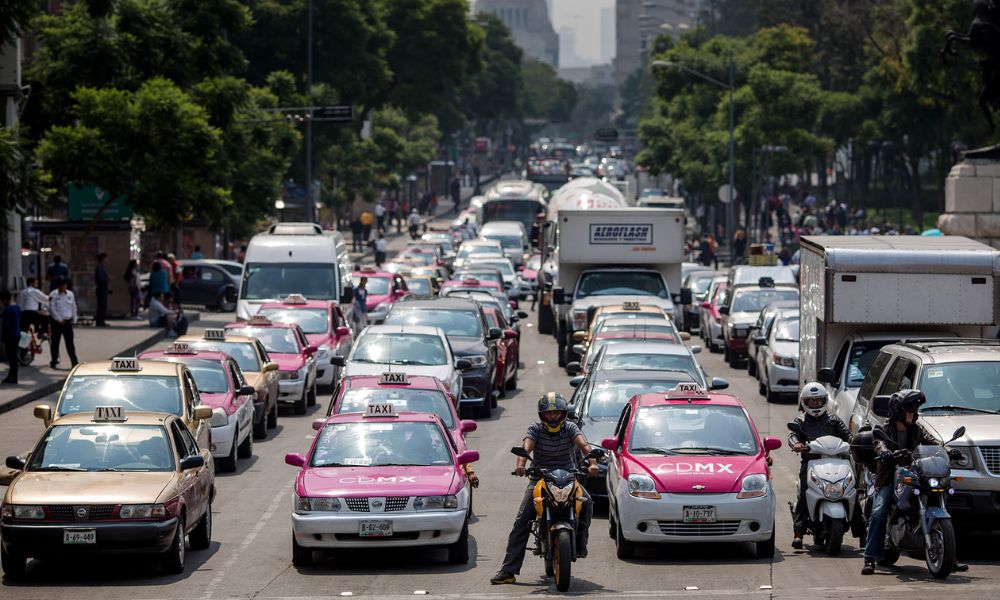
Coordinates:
<point>831,495</point>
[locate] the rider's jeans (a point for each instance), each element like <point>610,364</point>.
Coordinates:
<point>881,503</point>
<point>517,542</point>
<point>801,517</point>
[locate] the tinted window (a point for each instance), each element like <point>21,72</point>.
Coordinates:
<point>630,283</point>
<point>372,444</point>
<point>859,361</point>
<point>462,323</point>
<point>895,376</point>
<point>873,375</point>
<point>99,447</point>
<point>265,281</point>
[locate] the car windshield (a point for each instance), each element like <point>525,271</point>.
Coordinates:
<point>376,286</point>
<point>231,268</point>
<point>974,385</point>
<point>787,330</point>
<point>596,346</point>
<point>534,263</point>
<point>466,250</point>
<point>862,355</point>
<point>509,242</point>
<point>604,316</point>
<point>621,283</point>
<point>607,398</point>
<point>279,340</point>
<point>209,375</point>
<point>147,393</point>
<point>311,320</point>
<point>403,399</point>
<point>378,444</point>
<point>696,429</point>
<point>512,209</point>
<point>699,285</point>
<point>502,265</point>
<point>651,362</point>
<point>419,286</point>
<point>756,300</point>
<point>98,447</point>
<point>242,352</point>
<point>462,323</point>
<point>400,349</point>
<point>266,281</point>
<point>644,328</point>
<point>491,275</point>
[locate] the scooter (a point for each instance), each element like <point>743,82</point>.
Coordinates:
<point>559,501</point>
<point>830,493</point>
<point>919,523</point>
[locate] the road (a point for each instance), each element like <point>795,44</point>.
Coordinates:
<point>251,553</point>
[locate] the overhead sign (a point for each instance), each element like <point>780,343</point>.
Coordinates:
<point>343,113</point>
<point>606,134</point>
<point>624,234</point>
<point>86,201</point>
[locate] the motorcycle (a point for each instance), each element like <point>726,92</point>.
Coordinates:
<point>559,501</point>
<point>830,492</point>
<point>919,522</point>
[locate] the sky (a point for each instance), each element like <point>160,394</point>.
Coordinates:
<point>584,17</point>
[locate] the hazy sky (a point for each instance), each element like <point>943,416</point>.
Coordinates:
<point>583,16</point>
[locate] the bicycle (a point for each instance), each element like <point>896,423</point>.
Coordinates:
<point>26,355</point>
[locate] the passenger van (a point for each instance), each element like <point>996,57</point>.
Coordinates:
<point>512,236</point>
<point>296,258</point>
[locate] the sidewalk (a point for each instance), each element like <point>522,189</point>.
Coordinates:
<point>123,337</point>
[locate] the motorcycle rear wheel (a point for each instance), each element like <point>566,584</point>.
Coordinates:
<point>940,556</point>
<point>563,560</point>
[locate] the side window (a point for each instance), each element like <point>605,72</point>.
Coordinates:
<point>237,376</point>
<point>183,440</point>
<point>838,365</point>
<point>623,420</point>
<point>895,376</point>
<point>192,398</point>
<point>261,352</point>
<point>874,374</point>
<point>190,444</point>
<point>338,317</point>
<point>909,375</point>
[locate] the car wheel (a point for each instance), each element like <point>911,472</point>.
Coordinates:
<point>301,403</point>
<point>761,388</point>
<point>246,448</point>
<point>765,549</point>
<point>725,353</point>
<point>311,398</point>
<point>486,410</point>
<point>623,548</point>
<point>260,427</point>
<point>751,366</point>
<point>272,416</point>
<point>772,396</point>
<point>201,536</point>
<point>173,560</point>
<point>301,556</point>
<point>502,386</point>
<point>228,464</point>
<point>224,304</point>
<point>512,382</point>
<point>458,553</point>
<point>14,563</point>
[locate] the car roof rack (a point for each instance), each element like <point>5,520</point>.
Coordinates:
<point>924,344</point>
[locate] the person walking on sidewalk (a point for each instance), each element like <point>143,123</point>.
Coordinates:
<point>101,281</point>
<point>62,312</point>
<point>31,300</point>
<point>134,288</point>
<point>10,333</point>
<point>381,245</point>
<point>356,231</point>
<point>380,217</point>
<point>456,192</point>
<point>414,222</point>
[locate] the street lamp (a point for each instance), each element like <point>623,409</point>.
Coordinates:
<point>310,210</point>
<point>730,206</point>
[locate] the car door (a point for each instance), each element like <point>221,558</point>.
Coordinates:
<point>615,457</point>
<point>202,430</point>
<point>214,283</point>
<point>192,291</point>
<point>860,416</point>
<point>190,486</point>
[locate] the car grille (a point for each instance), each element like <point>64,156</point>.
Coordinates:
<point>396,503</point>
<point>991,456</point>
<point>698,529</point>
<point>357,504</point>
<point>98,512</point>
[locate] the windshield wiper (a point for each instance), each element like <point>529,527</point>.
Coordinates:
<point>106,469</point>
<point>650,450</point>
<point>59,468</point>
<point>707,450</point>
<point>959,407</point>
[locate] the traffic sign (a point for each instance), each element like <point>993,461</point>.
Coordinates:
<point>724,194</point>
<point>606,134</point>
<point>343,113</point>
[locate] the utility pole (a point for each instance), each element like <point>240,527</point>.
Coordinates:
<point>310,205</point>
<point>731,206</point>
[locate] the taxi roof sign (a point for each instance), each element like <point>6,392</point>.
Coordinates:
<point>125,363</point>
<point>214,334</point>
<point>393,378</point>
<point>109,414</point>
<point>687,390</point>
<point>630,305</point>
<point>385,409</point>
<point>294,299</point>
<point>259,320</point>
<point>180,348</point>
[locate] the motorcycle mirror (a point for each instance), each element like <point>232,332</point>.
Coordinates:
<point>520,451</point>
<point>958,433</point>
<point>595,453</point>
<point>794,427</point>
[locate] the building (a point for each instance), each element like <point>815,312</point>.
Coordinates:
<point>607,35</point>
<point>11,98</point>
<point>639,22</point>
<point>530,25</point>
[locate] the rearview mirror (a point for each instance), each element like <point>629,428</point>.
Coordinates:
<point>467,426</point>
<point>579,336</point>
<point>309,350</point>
<point>706,305</point>
<point>494,333</point>
<point>463,364</point>
<point>271,366</point>
<point>509,334</point>
<point>246,390</point>
<point>574,367</point>
<point>317,424</point>
<point>342,331</point>
<point>826,375</point>
<point>43,412</point>
<point>596,453</point>
<point>718,383</point>
<point>202,413</point>
<point>195,461</point>
<point>610,443</point>
<point>295,459</point>
<point>760,340</point>
<point>771,443</point>
<point>723,310</point>
<point>520,451</point>
<point>880,406</point>
<point>558,295</point>
<point>576,381</point>
<point>795,427</point>
<point>958,433</point>
<point>522,315</point>
<point>695,349</point>
<point>579,349</point>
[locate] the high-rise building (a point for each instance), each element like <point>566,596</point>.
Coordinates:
<point>530,25</point>
<point>639,22</point>
<point>607,35</point>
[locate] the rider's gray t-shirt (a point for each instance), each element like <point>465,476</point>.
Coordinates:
<point>554,450</point>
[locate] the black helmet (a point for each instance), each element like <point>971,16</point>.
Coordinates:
<point>905,401</point>
<point>553,401</point>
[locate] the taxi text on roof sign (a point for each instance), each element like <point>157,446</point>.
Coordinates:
<point>396,378</point>
<point>386,409</point>
<point>113,414</point>
<point>125,363</point>
<point>180,348</point>
<point>687,390</point>
<point>295,299</point>
<point>259,320</point>
<point>215,334</point>
<point>630,305</point>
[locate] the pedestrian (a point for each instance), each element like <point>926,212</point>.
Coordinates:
<point>56,270</point>
<point>175,278</point>
<point>158,281</point>
<point>10,333</point>
<point>162,316</point>
<point>380,211</point>
<point>134,288</point>
<point>356,231</point>
<point>360,312</point>
<point>705,251</point>
<point>414,223</point>
<point>739,245</point>
<point>425,201</point>
<point>101,281</point>
<point>476,174</point>
<point>381,245</point>
<point>367,220</point>
<point>197,255</point>
<point>456,192</point>
<point>62,317</point>
<point>31,300</point>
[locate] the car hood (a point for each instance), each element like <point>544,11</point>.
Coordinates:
<point>223,401</point>
<point>786,348</point>
<point>376,481</point>
<point>466,346</point>
<point>980,429</point>
<point>442,372</point>
<point>593,301</point>
<point>679,474</point>
<point>288,362</point>
<point>743,318</point>
<point>89,488</point>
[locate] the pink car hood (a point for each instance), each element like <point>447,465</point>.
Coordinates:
<point>679,474</point>
<point>374,301</point>
<point>223,401</point>
<point>377,481</point>
<point>288,362</point>
<point>530,274</point>
<point>318,339</point>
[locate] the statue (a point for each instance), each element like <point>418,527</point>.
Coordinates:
<point>984,37</point>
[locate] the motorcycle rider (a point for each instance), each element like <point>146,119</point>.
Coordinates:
<point>554,443</point>
<point>901,427</point>
<point>815,421</point>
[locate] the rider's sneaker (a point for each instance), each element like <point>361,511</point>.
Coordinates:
<point>503,577</point>
<point>797,542</point>
<point>869,568</point>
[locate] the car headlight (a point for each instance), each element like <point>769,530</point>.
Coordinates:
<point>477,360</point>
<point>965,461</point>
<point>435,502</point>
<point>784,361</point>
<point>305,504</point>
<point>323,352</point>
<point>642,486</point>
<point>143,511</point>
<point>579,319</point>
<point>754,486</point>
<point>561,494</point>
<point>382,306</point>
<point>25,511</point>
<point>289,375</point>
<point>219,418</point>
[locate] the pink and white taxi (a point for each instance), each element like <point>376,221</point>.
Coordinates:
<point>221,386</point>
<point>688,466</point>
<point>286,345</point>
<point>381,478</point>
<point>324,325</point>
<point>384,290</point>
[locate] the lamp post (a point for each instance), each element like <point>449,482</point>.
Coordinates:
<point>731,204</point>
<point>310,208</point>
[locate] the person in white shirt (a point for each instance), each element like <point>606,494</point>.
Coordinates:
<point>31,300</point>
<point>380,216</point>
<point>381,246</point>
<point>161,316</point>
<point>62,317</point>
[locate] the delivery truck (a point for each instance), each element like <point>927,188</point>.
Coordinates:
<point>860,293</point>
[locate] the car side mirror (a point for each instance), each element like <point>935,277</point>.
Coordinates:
<point>558,295</point>
<point>695,349</point>
<point>760,340</point>
<point>771,443</point>
<point>494,333</point>
<point>509,334</point>
<point>795,427</point>
<point>195,461</point>
<point>463,364</point>
<point>467,426</point>
<point>295,459</point>
<point>342,331</point>
<point>574,367</point>
<point>318,424</point>
<point>579,336</point>
<point>309,350</point>
<point>576,381</point>
<point>685,336</point>
<point>202,413</point>
<point>958,433</point>
<point>15,462</point>
<point>514,304</point>
<point>246,390</point>
<point>522,315</point>
<point>338,360</point>
<point>579,349</point>
<point>520,451</point>
<point>880,405</point>
<point>43,412</point>
<point>826,375</point>
<point>348,296</point>
<point>718,383</point>
<point>610,443</point>
<point>469,456</point>
<point>723,310</point>
<point>596,453</point>
<point>686,296</point>
<point>271,366</point>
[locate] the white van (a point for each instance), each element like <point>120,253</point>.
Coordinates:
<point>512,236</point>
<point>296,258</point>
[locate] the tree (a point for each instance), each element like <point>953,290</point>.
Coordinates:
<point>14,17</point>
<point>495,93</point>
<point>545,95</point>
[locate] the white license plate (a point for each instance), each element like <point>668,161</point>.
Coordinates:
<point>375,529</point>
<point>79,536</point>
<point>699,514</point>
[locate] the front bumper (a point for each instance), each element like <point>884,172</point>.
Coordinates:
<point>329,530</point>
<point>747,520</point>
<point>782,379</point>
<point>43,539</point>
<point>222,438</point>
<point>476,387</point>
<point>738,345</point>
<point>290,390</point>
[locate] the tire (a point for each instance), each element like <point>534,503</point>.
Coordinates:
<point>562,560</point>
<point>940,555</point>
<point>502,387</point>
<point>561,347</point>
<point>272,417</point>
<point>14,563</point>
<point>260,427</point>
<point>771,396</point>
<point>734,359</point>
<point>612,525</point>
<point>550,570</point>
<point>836,537</point>
<point>458,552</point>
<point>512,382</point>
<point>301,403</point>
<point>485,411</point>
<point>201,536</point>
<point>301,556</point>
<point>725,354</point>
<point>493,398</point>
<point>624,549</point>
<point>890,555</point>
<point>751,366</point>
<point>761,388</point>
<point>173,559</point>
<point>311,395</point>
<point>765,549</point>
<point>546,321</point>
<point>245,450</point>
<point>25,357</point>
<point>228,464</point>
<point>224,304</point>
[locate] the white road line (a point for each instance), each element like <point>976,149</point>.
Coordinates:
<point>279,498</point>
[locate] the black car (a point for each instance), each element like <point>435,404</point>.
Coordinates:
<point>698,282</point>
<point>205,283</point>
<point>471,338</point>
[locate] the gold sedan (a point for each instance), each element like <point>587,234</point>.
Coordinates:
<point>109,481</point>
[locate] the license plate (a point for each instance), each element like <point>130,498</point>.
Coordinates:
<point>699,514</point>
<point>79,536</point>
<point>375,529</point>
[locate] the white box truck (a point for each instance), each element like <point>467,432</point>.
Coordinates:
<point>859,293</point>
<point>611,256</point>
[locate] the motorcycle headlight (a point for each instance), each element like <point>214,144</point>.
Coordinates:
<point>642,486</point>
<point>26,511</point>
<point>477,360</point>
<point>754,486</point>
<point>435,502</point>
<point>965,461</point>
<point>833,491</point>
<point>305,504</point>
<point>219,418</point>
<point>561,494</point>
<point>142,511</point>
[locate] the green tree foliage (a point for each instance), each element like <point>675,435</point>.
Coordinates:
<point>14,17</point>
<point>495,93</point>
<point>545,95</point>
